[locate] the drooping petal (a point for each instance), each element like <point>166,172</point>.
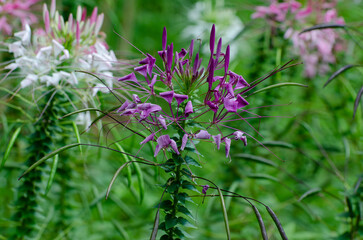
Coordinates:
<point>162,121</point>
<point>168,96</point>
<point>241,102</point>
<point>230,104</point>
<point>203,134</point>
<point>148,138</point>
<point>228,145</point>
<point>123,106</point>
<point>217,140</point>
<point>180,98</point>
<point>184,141</point>
<point>174,146</point>
<point>136,98</point>
<point>212,106</point>
<point>130,77</point>
<point>237,135</point>
<point>142,70</point>
<point>163,141</point>
<point>188,108</point>
<point>157,150</point>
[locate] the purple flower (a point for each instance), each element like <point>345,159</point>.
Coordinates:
<point>136,98</point>
<point>162,121</point>
<point>238,135</point>
<point>205,189</point>
<point>164,141</point>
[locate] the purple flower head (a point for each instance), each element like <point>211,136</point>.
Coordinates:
<point>205,189</point>
<point>168,96</point>
<point>164,141</point>
<point>202,134</point>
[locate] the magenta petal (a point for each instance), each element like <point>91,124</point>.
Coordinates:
<point>129,77</point>
<point>202,134</point>
<point>123,106</point>
<point>168,96</point>
<point>244,140</point>
<point>237,135</point>
<point>136,98</point>
<point>182,54</point>
<point>217,140</point>
<point>148,138</point>
<point>205,189</point>
<point>142,70</point>
<point>212,106</point>
<point>164,141</point>
<point>219,48</point>
<point>164,38</point>
<point>191,48</point>
<point>157,150</point>
<point>174,146</point>
<point>226,59</point>
<point>230,104</point>
<point>180,98</point>
<point>184,141</point>
<point>241,102</point>
<point>162,121</point>
<point>212,39</point>
<point>169,57</point>
<point>228,145</point>
<point>188,108</point>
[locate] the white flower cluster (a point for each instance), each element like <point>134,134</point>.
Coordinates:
<point>52,64</point>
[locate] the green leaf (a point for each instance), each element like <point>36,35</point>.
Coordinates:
<point>170,221</point>
<point>262,176</point>
<point>10,146</point>
<point>126,158</point>
<point>188,185</point>
<point>182,197</point>
<point>309,193</point>
<point>52,173</point>
<point>192,162</point>
<point>114,177</point>
<point>278,144</point>
<point>185,222</point>
<point>185,211</point>
<point>76,132</point>
<point>166,205</point>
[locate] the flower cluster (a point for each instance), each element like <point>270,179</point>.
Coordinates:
<point>51,55</point>
<point>169,100</point>
<point>14,13</point>
<point>316,48</point>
